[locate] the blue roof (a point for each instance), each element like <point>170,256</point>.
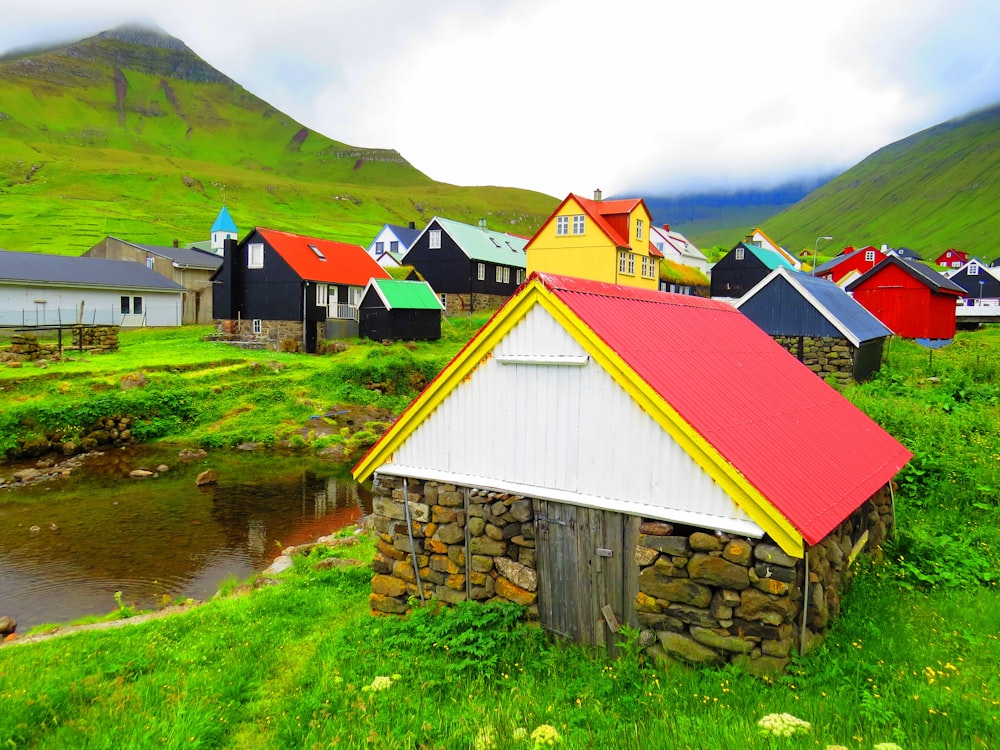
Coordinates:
<point>224,222</point>
<point>835,305</point>
<point>406,235</point>
<point>183,257</point>
<point>63,270</point>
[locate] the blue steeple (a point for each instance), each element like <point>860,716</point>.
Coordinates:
<point>224,222</point>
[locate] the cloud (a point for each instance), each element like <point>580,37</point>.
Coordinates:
<point>571,95</point>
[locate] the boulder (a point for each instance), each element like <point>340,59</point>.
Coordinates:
<point>206,477</point>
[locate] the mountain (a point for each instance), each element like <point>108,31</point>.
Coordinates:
<point>723,218</point>
<point>130,133</point>
<point>934,190</point>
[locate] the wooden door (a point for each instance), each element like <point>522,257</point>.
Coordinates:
<point>587,578</point>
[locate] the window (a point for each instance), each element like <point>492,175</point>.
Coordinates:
<point>150,262</point>
<point>257,327</point>
<point>622,261</point>
<point>379,247</point>
<point>126,305</point>
<point>506,274</point>
<point>562,225</point>
<point>638,229</point>
<point>973,269</point>
<point>653,268</point>
<point>520,276</point>
<point>648,267</point>
<point>394,247</point>
<point>255,255</point>
<point>137,305</point>
<point>956,264</point>
<point>481,271</point>
<point>434,239</point>
<point>739,253</point>
<point>499,274</point>
<point>631,264</point>
<point>322,295</point>
<point>870,256</point>
<point>579,223</point>
<point>444,300</point>
<point>317,252</point>
<point>645,266</point>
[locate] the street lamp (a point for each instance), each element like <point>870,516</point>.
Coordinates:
<point>816,249</point>
<point>981,283</point>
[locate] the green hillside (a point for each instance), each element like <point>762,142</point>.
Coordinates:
<point>131,134</point>
<point>934,190</point>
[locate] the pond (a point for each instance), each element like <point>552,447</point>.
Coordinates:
<point>68,545</point>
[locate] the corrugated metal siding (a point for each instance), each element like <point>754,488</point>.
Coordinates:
<point>780,310</point>
<point>567,428</point>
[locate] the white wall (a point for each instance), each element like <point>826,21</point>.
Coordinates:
<point>21,305</point>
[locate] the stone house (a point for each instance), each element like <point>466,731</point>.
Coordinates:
<point>819,323</point>
<point>621,484</point>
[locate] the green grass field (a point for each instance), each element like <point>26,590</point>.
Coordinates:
<point>914,659</point>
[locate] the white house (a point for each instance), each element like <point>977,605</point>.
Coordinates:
<point>391,244</point>
<point>676,247</point>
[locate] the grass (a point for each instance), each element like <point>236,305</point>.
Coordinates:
<point>914,659</point>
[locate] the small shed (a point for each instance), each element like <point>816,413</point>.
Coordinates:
<point>818,322</point>
<point>742,267</point>
<point>575,457</point>
<point>913,300</point>
<point>407,310</point>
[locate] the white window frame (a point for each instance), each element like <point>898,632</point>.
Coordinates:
<point>499,274</point>
<point>255,255</point>
<point>150,262</point>
<point>739,253</point>
<point>434,239</point>
<point>481,271</point>
<point>506,274</point>
<point>322,295</point>
<point>562,226</point>
<point>257,326</point>
<point>631,264</point>
<point>973,269</point>
<point>869,256</point>
<point>579,224</point>
<point>638,229</point>
<point>622,261</point>
<point>520,276</point>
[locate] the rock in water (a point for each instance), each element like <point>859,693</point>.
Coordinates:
<point>206,477</point>
<point>7,626</point>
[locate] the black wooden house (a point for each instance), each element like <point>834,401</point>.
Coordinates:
<point>407,310</point>
<point>470,267</point>
<point>739,270</point>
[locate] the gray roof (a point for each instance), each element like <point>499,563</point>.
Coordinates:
<point>63,270</point>
<point>485,244</point>
<point>841,309</point>
<point>919,271</point>
<point>182,257</point>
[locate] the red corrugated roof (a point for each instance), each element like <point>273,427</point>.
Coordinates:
<point>810,452</point>
<point>344,264</point>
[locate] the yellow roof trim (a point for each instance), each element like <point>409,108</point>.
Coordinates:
<point>480,348</point>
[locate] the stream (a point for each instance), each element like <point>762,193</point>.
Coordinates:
<point>68,545</point>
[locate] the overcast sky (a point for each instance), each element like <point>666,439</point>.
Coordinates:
<point>633,96</point>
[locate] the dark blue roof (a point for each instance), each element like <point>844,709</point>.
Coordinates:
<point>41,268</point>
<point>837,308</point>
<point>407,235</point>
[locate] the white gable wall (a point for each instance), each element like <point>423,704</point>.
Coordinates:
<point>20,304</point>
<point>564,432</point>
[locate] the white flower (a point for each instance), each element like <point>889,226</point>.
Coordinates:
<point>887,746</point>
<point>485,739</point>
<point>783,725</point>
<point>381,683</point>
<point>545,735</point>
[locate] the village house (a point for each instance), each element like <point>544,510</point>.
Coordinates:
<point>614,489</point>
<point>41,289</point>
<point>676,247</point>
<point>847,266</point>
<point>952,258</point>
<point>819,323</point>
<point>742,268</point>
<point>914,301</point>
<point>288,291</point>
<point>392,243</point>
<point>407,310</point>
<point>757,238</point>
<point>598,239</point>
<point>470,267</point>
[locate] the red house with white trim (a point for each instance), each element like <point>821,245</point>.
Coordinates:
<point>952,258</point>
<point>914,301</point>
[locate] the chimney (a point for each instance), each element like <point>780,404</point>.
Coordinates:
<point>413,225</point>
<point>482,224</point>
<point>177,242</point>
<point>666,227</point>
<point>597,194</point>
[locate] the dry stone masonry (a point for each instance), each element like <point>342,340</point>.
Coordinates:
<point>830,358</point>
<point>704,597</point>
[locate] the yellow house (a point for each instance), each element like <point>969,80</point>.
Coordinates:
<point>599,240</point>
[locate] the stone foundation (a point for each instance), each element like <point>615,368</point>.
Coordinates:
<point>705,597</point>
<point>275,335</point>
<point>458,304</point>
<point>830,358</point>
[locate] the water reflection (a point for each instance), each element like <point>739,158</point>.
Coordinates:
<point>100,531</point>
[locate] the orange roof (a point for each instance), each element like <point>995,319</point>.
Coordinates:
<point>334,263</point>
<point>598,211</point>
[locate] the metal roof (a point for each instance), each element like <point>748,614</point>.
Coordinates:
<point>405,295</point>
<point>182,257</point>
<point>484,244</point>
<point>919,271</point>
<point>789,449</point>
<point>63,270</point>
<point>842,311</point>
<point>335,263</point>
<point>224,222</point>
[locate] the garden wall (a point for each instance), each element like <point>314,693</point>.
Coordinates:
<point>275,335</point>
<point>830,358</point>
<point>704,597</point>
<point>458,304</point>
<point>26,346</point>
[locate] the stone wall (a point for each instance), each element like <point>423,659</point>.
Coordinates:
<point>458,304</point>
<point>708,598</point>
<point>704,597</point>
<point>485,553</point>
<point>275,335</point>
<point>830,358</point>
<point>25,346</point>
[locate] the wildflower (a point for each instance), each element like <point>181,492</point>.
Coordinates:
<point>783,725</point>
<point>520,734</point>
<point>485,739</point>
<point>381,683</point>
<point>545,735</point>
<point>836,747</point>
<point>886,746</point>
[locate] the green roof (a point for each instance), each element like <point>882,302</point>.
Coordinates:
<point>407,295</point>
<point>769,258</point>
<point>485,244</point>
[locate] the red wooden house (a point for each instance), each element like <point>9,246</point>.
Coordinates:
<point>952,258</point>
<point>849,265</point>
<point>910,298</point>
